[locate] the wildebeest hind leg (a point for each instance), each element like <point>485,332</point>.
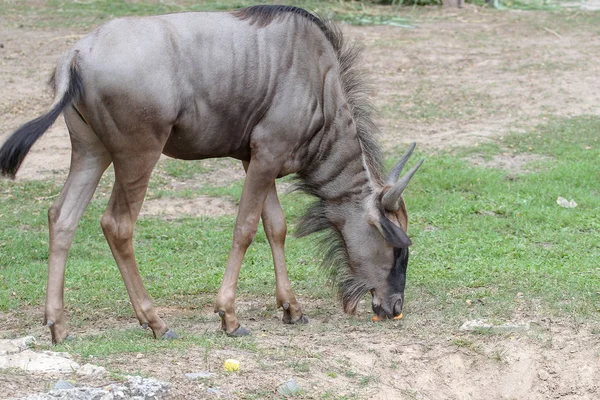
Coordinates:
<point>89,159</point>
<point>132,173</point>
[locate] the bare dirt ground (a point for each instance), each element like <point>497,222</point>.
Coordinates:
<point>459,78</point>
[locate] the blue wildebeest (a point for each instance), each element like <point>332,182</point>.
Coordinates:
<point>272,86</point>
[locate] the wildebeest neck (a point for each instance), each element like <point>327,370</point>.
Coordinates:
<point>338,172</point>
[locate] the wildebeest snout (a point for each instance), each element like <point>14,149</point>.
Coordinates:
<point>388,306</point>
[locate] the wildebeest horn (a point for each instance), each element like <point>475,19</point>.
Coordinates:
<point>390,199</point>
<point>395,172</point>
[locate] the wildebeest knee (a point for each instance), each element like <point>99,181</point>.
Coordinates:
<point>116,232</point>
<point>276,230</point>
<point>59,227</point>
<point>244,236</point>
<point>53,214</point>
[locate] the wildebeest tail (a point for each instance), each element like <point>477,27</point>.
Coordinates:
<point>17,146</point>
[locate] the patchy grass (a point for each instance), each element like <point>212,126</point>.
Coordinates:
<point>488,244</point>
<point>125,341</point>
<point>182,256</point>
<point>527,5</point>
<point>430,103</point>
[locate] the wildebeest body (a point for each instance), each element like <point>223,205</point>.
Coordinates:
<point>212,100</point>
<point>272,86</point>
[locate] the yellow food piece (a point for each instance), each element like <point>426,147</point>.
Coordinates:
<point>397,317</point>
<point>231,365</point>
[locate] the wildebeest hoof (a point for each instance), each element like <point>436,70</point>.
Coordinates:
<point>170,335</point>
<point>240,331</point>
<point>145,326</point>
<point>287,319</point>
<point>287,316</point>
<point>59,333</point>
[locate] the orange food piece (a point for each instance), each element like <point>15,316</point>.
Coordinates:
<point>398,317</point>
<point>375,318</point>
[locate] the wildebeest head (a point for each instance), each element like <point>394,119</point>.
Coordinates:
<point>376,246</point>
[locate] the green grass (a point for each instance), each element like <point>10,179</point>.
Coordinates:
<point>482,233</point>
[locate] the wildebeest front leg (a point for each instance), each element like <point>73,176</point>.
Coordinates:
<point>276,230</point>
<point>261,174</point>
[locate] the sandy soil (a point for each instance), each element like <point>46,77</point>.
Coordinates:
<point>458,79</point>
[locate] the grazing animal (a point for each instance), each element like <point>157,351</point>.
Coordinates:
<point>273,86</point>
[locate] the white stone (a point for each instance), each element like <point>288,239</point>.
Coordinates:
<point>478,324</point>
<point>12,346</point>
<point>29,360</point>
<point>198,375</point>
<point>136,388</point>
<point>91,369</point>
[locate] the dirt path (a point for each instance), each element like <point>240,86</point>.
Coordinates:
<point>458,79</point>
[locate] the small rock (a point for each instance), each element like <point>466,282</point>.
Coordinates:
<point>198,375</point>
<point>139,355</point>
<point>290,388</point>
<point>216,392</point>
<point>61,354</point>
<point>478,324</point>
<point>25,342</point>
<point>62,385</point>
<point>474,325</point>
<point>147,388</point>
<point>543,375</point>
<point>91,370</point>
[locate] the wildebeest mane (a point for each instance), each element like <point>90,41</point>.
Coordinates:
<point>355,90</point>
<point>353,82</point>
<point>335,259</point>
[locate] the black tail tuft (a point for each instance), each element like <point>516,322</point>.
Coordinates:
<point>17,146</point>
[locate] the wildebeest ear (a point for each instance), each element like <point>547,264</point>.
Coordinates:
<point>393,234</point>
